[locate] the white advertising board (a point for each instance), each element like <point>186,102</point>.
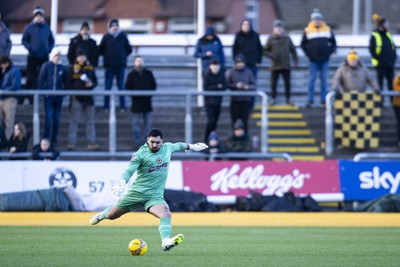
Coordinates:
<point>91,179</point>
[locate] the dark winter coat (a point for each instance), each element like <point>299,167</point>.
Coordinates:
<point>5,41</point>
<point>388,56</point>
<point>74,81</point>
<point>246,77</point>
<point>214,82</point>
<point>318,43</point>
<point>36,150</point>
<point>215,46</point>
<point>11,80</point>
<point>38,39</point>
<point>249,45</point>
<point>3,139</point>
<point>278,49</point>
<point>52,76</point>
<point>141,80</point>
<point>115,50</point>
<point>88,46</point>
<point>239,144</point>
<point>20,145</point>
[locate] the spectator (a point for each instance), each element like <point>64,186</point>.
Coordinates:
<point>115,49</point>
<point>39,41</point>
<point>240,79</point>
<point>383,51</point>
<point>44,147</point>
<point>240,140</point>
<point>214,80</point>
<point>83,42</point>
<point>396,105</point>
<point>18,142</point>
<point>52,76</point>
<point>352,76</point>
<point>247,42</point>
<point>11,81</point>
<point>5,41</point>
<point>81,76</point>
<point>318,43</point>
<point>3,139</point>
<point>214,145</point>
<point>209,47</point>
<point>140,78</point>
<point>278,48</point>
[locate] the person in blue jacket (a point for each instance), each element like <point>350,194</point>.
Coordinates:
<point>39,41</point>
<point>209,47</point>
<point>52,76</point>
<point>115,48</point>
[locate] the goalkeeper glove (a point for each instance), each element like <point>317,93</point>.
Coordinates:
<point>118,189</point>
<point>197,147</point>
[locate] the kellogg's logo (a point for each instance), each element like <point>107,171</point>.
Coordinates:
<point>253,178</point>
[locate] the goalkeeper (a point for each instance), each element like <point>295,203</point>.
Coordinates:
<point>151,162</point>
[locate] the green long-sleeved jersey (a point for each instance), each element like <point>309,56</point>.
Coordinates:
<point>152,168</point>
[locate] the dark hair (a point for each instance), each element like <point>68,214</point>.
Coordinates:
<point>155,133</point>
<point>214,61</point>
<point>4,59</point>
<point>137,56</point>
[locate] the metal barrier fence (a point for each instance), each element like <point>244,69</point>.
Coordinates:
<point>370,156</point>
<point>112,114</point>
<point>177,155</point>
<point>329,120</point>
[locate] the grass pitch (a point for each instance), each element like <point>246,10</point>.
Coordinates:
<point>202,246</point>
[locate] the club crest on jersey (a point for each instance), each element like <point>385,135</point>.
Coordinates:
<point>159,160</point>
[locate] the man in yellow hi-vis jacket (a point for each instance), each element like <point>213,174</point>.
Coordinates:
<point>383,51</point>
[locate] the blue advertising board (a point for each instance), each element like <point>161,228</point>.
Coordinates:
<point>368,180</point>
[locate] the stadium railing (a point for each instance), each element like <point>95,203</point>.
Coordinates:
<point>178,155</point>
<point>372,156</point>
<point>112,114</point>
<point>329,120</point>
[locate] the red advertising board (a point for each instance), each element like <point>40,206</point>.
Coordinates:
<point>267,178</point>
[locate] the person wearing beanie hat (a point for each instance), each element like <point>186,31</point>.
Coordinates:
<point>115,49</point>
<point>247,42</point>
<point>38,11</point>
<point>383,51</point>
<point>209,47</point>
<point>83,42</point>
<point>213,81</point>
<point>240,79</point>
<point>10,82</point>
<point>239,141</point>
<point>52,76</point>
<point>214,144</point>
<point>81,76</point>
<point>318,44</point>
<point>278,48</point>
<point>316,14</point>
<point>38,39</point>
<point>352,76</point>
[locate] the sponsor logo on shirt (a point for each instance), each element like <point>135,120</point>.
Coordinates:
<point>159,168</point>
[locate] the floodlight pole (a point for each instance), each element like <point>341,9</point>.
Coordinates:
<point>54,17</point>
<point>201,22</point>
<point>356,16</point>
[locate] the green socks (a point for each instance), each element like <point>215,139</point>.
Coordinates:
<point>104,213</point>
<point>165,228</point>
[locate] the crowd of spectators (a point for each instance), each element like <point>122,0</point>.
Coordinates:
<point>46,71</point>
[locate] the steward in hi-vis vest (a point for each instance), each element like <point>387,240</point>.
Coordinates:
<point>383,51</point>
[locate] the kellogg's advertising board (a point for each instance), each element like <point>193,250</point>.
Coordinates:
<point>267,178</point>
<point>369,180</point>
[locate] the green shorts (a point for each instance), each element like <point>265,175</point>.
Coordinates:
<point>134,199</point>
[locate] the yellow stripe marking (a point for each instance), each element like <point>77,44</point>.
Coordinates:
<point>291,149</point>
<point>291,140</point>
<point>308,158</point>
<point>279,115</point>
<point>285,123</point>
<point>340,219</point>
<point>282,107</point>
<point>289,132</point>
